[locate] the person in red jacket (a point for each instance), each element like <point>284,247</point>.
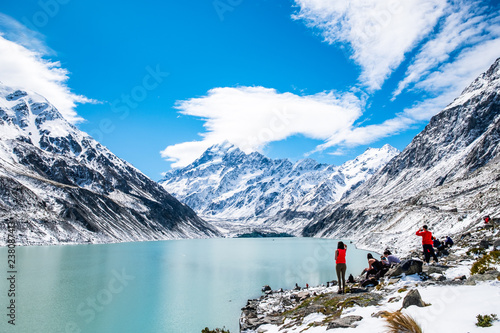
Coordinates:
<point>341,265</point>
<point>427,243</point>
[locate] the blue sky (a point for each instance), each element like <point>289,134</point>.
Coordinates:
<point>158,82</point>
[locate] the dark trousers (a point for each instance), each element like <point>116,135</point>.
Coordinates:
<point>428,252</point>
<point>372,271</point>
<point>341,269</point>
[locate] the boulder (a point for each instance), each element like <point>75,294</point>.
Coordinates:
<point>436,269</point>
<point>484,244</point>
<point>496,244</point>
<point>489,275</point>
<point>408,267</point>
<point>413,298</point>
<point>331,283</point>
<point>266,288</point>
<point>344,322</point>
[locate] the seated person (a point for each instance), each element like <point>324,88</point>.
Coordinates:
<point>384,261</point>
<point>437,244</point>
<point>448,242</point>
<point>390,259</point>
<point>374,266</point>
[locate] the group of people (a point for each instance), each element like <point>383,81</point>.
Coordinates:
<point>430,242</point>
<point>441,245</point>
<point>377,268</point>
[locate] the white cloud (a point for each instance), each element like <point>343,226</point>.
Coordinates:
<point>453,77</point>
<point>466,25</point>
<point>251,117</point>
<point>452,42</point>
<point>23,64</point>
<point>449,82</point>
<point>380,32</point>
<point>355,136</point>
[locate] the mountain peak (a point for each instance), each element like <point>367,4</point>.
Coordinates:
<point>222,148</point>
<point>225,183</point>
<point>52,172</point>
<point>27,115</point>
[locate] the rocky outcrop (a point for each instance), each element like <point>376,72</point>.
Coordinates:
<point>292,306</point>
<point>408,267</point>
<point>292,309</point>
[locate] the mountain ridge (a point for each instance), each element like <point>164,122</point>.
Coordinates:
<point>60,185</point>
<point>447,177</point>
<point>224,183</point>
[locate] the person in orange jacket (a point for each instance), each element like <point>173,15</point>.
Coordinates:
<point>427,243</point>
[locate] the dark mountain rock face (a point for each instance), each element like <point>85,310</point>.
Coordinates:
<point>60,185</point>
<point>447,176</point>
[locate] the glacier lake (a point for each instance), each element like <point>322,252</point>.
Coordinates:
<point>164,286</point>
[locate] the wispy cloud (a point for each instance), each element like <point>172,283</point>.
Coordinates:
<point>251,117</point>
<point>446,43</point>
<point>466,26</point>
<point>24,63</point>
<point>379,32</point>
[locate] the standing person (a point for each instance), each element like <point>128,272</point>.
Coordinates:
<point>340,265</point>
<point>427,243</point>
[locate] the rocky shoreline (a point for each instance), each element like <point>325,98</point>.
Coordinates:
<point>320,308</point>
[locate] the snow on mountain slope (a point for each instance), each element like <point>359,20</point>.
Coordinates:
<point>448,177</point>
<point>226,184</point>
<point>60,185</point>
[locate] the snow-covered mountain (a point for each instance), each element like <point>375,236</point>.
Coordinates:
<point>225,184</point>
<point>60,185</point>
<point>448,177</point>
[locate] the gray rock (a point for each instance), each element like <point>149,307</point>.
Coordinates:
<point>470,282</point>
<point>344,322</point>
<point>496,244</point>
<point>273,320</point>
<point>436,269</point>
<point>408,267</point>
<point>413,298</point>
<point>484,244</point>
<point>490,275</point>
<point>266,288</point>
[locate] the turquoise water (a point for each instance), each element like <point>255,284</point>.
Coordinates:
<point>167,286</point>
